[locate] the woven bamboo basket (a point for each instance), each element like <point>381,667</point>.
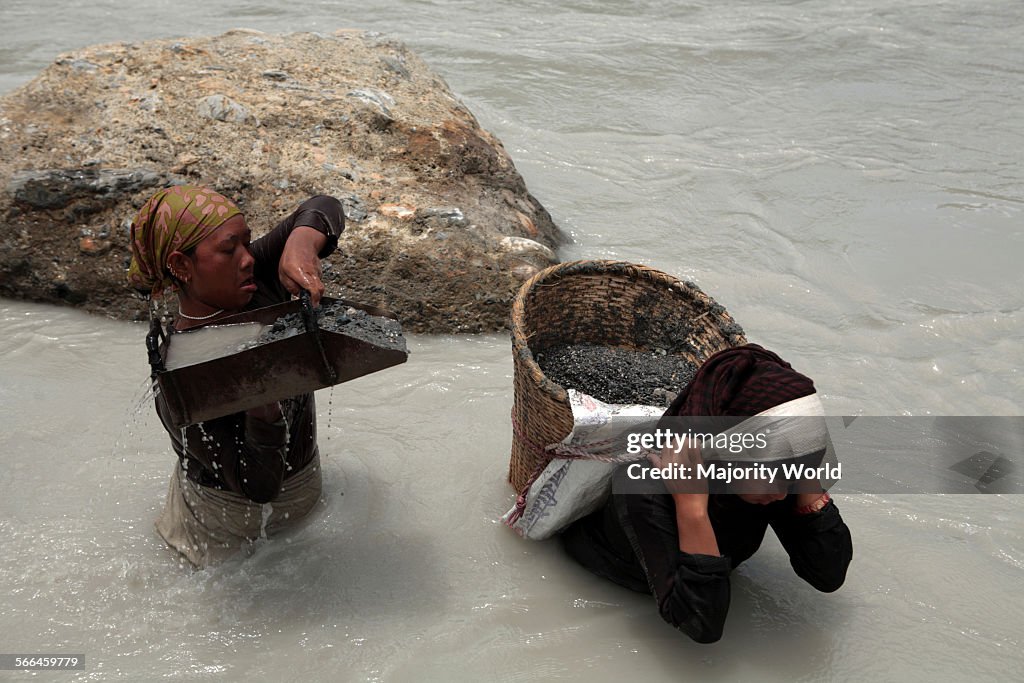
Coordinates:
<point>609,303</point>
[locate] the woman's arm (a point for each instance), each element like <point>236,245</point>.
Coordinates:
<point>299,267</point>
<point>695,596</point>
<point>696,536</point>
<point>818,544</point>
<point>245,453</point>
<point>291,252</point>
<point>691,588</point>
<point>690,497</point>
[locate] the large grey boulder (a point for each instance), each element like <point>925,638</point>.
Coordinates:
<point>441,228</point>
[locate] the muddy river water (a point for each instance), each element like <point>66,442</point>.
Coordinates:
<point>844,177</point>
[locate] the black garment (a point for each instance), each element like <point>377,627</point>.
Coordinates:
<point>633,540</point>
<point>245,455</point>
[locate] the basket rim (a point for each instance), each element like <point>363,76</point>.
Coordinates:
<point>520,339</point>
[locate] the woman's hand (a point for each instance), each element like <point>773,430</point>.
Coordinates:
<point>269,413</point>
<point>684,464</point>
<point>299,267</point>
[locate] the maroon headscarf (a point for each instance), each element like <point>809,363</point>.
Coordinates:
<point>740,381</point>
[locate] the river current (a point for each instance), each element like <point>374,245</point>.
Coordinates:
<point>844,177</point>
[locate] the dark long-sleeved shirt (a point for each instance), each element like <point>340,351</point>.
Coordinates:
<point>634,541</point>
<point>243,454</point>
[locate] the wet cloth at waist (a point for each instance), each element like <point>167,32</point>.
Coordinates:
<point>208,525</point>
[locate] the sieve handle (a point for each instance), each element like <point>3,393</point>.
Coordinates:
<point>153,339</point>
<point>309,319</point>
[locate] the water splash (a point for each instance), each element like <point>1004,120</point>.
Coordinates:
<point>266,510</point>
<point>330,412</point>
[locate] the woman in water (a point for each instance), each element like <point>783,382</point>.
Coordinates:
<point>680,544</point>
<point>196,242</point>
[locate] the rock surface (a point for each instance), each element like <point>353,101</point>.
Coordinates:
<point>441,229</point>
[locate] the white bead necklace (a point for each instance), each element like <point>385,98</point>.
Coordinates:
<point>199,317</point>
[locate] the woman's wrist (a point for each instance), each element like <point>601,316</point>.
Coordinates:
<point>807,504</point>
<point>695,534</point>
<point>690,505</point>
<point>309,237</point>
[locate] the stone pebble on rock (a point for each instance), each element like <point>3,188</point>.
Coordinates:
<point>222,108</point>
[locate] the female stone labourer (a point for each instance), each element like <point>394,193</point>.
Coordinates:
<point>680,543</point>
<point>196,242</point>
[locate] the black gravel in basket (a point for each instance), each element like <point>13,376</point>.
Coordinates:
<point>337,317</point>
<point>615,375</point>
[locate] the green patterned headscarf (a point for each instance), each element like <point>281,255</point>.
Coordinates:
<point>175,219</point>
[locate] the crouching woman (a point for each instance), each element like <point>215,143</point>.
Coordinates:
<point>681,545</point>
